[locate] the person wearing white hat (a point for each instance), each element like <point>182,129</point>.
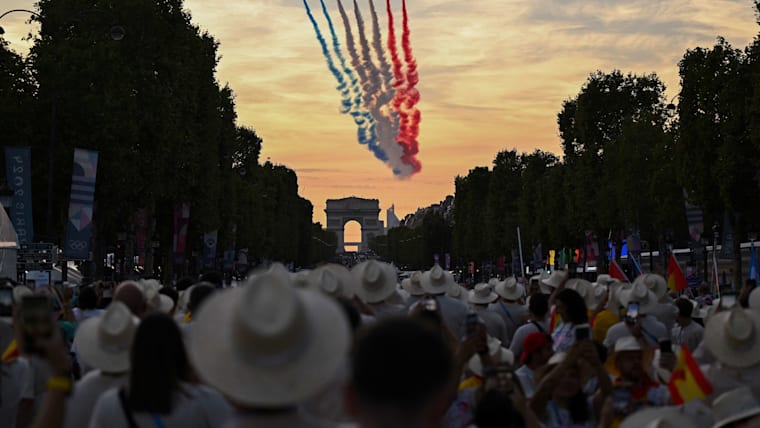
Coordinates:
<point>550,284</point>
<point>413,286</point>
<point>332,279</point>
<point>479,298</point>
<point>103,343</point>
<point>733,338</point>
<point>456,291</point>
<point>436,282</point>
<point>538,309</point>
<point>643,325</point>
<point>17,383</point>
<point>737,408</point>
<point>686,332</point>
<point>375,285</point>
<point>585,289</point>
<point>508,307</point>
<point>660,417</point>
<point>663,309</point>
<point>607,312</point>
<point>630,363</point>
<point>268,347</point>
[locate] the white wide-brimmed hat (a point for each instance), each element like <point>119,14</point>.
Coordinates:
<point>104,342</point>
<point>639,293</point>
<point>509,289</point>
<point>481,294</point>
<point>373,280</point>
<point>499,354</point>
<point>332,279</point>
<point>19,292</point>
<point>585,289</point>
<point>604,279</point>
<point>301,279</point>
<point>555,279</point>
<point>735,405</point>
<point>654,282</point>
<point>436,280</point>
<point>733,337</point>
<point>412,284</point>
<point>156,300</point>
<point>269,344</point>
<point>658,417</point>
<point>754,299</point>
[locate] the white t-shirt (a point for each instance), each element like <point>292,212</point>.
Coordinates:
<point>524,331</point>
<point>83,314</point>
<point>85,395</point>
<point>197,406</point>
<point>652,329</point>
<point>526,377</point>
<point>691,335</point>
<point>16,384</point>
<point>295,419</point>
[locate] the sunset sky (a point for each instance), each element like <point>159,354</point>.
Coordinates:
<point>493,75</point>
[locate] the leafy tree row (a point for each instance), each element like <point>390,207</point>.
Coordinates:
<point>166,132</point>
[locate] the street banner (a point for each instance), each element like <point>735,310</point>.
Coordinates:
<point>141,235</point>
<point>694,219</point>
<point>79,226</point>
<point>181,221</point>
<point>447,260</point>
<point>752,262</point>
<point>727,238</point>
<point>18,168</point>
<point>209,249</point>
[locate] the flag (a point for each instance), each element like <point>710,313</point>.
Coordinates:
<point>687,382</point>
<point>676,279</point>
<point>10,353</point>
<point>616,272</point>
<point>752,262</point>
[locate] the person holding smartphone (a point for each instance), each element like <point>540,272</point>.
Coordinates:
<point>686,332</point>
<point>638,320</point>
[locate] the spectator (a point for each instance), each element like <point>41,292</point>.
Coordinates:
<point>87,304</point>
<point>172,294</point>
<point>642,326</point>
<point>480,297</point>
<point>538,309</point>
<point>413,286</point>
<point>130,293</point>
<point>686,332</point>
<point>375,285</point>
<point>571,309</point>
<point>436,282</point>
<point>537,350</point>
<point>159,393</point>
<point>16,382</point>
<point>663,308</point>
<point>508,307</point>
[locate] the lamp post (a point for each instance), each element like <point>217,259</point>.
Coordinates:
<point>116,33</point>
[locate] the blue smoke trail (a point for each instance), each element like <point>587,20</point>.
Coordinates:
<point>362,119</point>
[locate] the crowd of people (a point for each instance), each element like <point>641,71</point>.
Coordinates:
<point>334,347</point>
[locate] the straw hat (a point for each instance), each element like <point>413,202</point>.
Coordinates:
<point>555,279</point>
<point>604,279</point>
<point>585,289</point>
<point>269,344</point>
<point>436,280</point>
<point>658,417</point>
<point>734,406</point>
<point>104,342</point>
<point>374,281</point>
<point>509,289</point>
<point>157,301</point>
<point>482,294</point>
<point>499,354</point>
<point>654,282</point>
<point>732,336</point>
<point>412,284</point>
<point>639,293</point>
<point>627,344</point>
<point>332,279</point>
<point>301,279</point>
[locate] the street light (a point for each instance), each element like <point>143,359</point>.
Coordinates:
<point>671,106</point>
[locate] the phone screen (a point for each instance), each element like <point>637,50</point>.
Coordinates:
<point>727,301</point>
<point>632,312</point>
<point>582,332</point>
<point>6,301</point>
<point>621,400</point>
<point>36,320</point>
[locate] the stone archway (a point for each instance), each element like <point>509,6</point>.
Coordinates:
<point>363,211</point>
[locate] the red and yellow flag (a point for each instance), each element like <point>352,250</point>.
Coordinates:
<point>687,382</point>
<point>616,272</point>
<point>676,279</point>
<point>10,353</point>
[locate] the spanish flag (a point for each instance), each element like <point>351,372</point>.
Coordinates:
<point>676,279</point>
<point>687,382</point>
<point>10,353</point>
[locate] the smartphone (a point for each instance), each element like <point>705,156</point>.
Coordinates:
<point>429,304</point>
<point>36,321</point>
<point>727,301</point>
<point>632,311</point>
<point>582,332</point>
<point>471,323</point>
<point>6,301</point>
<point>666,346</point>
<point>621,400</point>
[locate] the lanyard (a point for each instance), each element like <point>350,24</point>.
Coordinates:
<point>506,311</point>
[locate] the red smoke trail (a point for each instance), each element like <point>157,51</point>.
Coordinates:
<point>412,97</point>
<point>401,86</point>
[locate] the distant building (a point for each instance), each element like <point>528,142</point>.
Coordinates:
<point>445,208</point>
<point>390,218</point>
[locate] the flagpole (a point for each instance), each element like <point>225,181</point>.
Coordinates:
<point>519,243</point>
<point>715,259</point>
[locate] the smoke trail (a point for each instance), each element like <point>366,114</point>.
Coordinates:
<point>385,66</point>
<point>412,95</point>
<point>372,89</point>
<point>366,124</point>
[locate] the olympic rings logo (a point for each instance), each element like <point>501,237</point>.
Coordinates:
<point>78,245</point>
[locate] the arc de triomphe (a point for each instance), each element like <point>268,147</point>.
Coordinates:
<point>363,211</point>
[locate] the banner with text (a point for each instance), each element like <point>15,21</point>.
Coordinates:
<point>181,221</point>
<point>209,249</point>
<point>79,226</point>
<point>18,167</point>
